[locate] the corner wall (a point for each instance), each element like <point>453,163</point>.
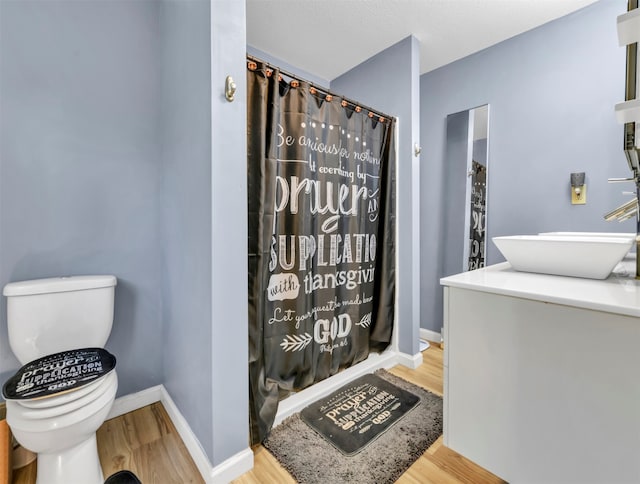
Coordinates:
<point>186,211</point>
<point>229,250</point>
<point>389,81</point>
<point>551,93</point>
<point>204,219</point>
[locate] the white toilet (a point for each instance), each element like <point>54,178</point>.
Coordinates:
<point>48,316</point>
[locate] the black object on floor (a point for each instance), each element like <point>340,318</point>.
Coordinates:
<point>359,412</point>
<point>123,477</point>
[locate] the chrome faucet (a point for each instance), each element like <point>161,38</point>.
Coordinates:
<point>628,210</point>
<point>624,211</point>
<point>631,143</point>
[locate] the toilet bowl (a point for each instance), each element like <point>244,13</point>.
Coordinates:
<point>53,324</point>
<point>61,430</point>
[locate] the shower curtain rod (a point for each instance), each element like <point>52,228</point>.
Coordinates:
<point>321,88</point>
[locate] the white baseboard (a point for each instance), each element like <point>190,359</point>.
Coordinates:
<point>429,335</point>
<point>224,472</point>
<point>410,361</point>
<point>232,468</point>
<point>190,440</point>
<point>134,401</point>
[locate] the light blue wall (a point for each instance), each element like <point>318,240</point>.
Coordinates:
<point>229,296</point>
<point>205,349</point>
<point>480,151</point>
<point>307,76</point>
<point>389,81</point>
<point>455,233</point>
<point>186,211</point>
<point>79,162</point>
<point>551,93</point>
<point>120,155</point>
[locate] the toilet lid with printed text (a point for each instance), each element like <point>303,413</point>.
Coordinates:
<point>58,373</point>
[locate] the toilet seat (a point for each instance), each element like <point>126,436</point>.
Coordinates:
<point>63,396</point>
<point>58,373</point>
<point>57,405</point>
<point>62,410</point>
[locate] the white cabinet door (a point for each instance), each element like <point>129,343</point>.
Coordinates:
<point>539,392</point>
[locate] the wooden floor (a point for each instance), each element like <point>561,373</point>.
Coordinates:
<point>437,465</point>
<point>146,442</point>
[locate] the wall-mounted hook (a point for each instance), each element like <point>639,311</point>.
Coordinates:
<point>416,149</point>
<point>229,88</point>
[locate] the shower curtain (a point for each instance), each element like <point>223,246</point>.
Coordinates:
<point>477,233</point>
<point>321,237</point>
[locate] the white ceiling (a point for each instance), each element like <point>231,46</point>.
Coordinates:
<point>329,37</point>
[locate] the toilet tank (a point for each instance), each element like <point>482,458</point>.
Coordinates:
<point>46,316</point>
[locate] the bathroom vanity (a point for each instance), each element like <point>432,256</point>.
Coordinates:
<point>542,374</point>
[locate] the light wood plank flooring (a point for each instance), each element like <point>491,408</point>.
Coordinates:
<point>146,442</point>
<point>437,465</point>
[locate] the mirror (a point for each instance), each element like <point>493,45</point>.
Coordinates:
<point>465,184</point>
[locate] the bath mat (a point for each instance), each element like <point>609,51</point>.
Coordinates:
<point>311,459</point>
<point>359,412</point>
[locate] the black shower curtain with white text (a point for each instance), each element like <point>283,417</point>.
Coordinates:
<point>321,237</point>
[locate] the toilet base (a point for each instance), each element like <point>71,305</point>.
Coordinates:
<point>79,464</point>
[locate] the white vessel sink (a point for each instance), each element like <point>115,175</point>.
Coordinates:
<point>592,257</point>
<point>617,235</point>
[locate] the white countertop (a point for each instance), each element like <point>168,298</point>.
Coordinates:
<point>619,293</point>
